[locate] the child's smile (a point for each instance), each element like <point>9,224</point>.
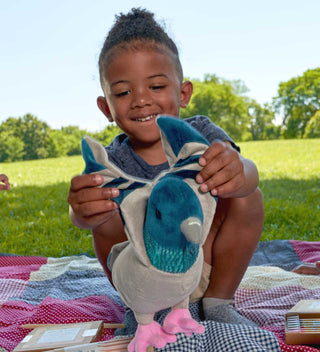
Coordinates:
<point>147,118</point>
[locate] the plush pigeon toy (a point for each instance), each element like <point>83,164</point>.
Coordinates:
<point>166,221</point>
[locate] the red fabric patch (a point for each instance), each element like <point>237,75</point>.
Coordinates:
<point>307,251</point>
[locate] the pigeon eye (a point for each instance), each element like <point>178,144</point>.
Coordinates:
<point>158,214</point>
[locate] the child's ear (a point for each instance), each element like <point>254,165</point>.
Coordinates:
<point>104,107</point>
<point>186,93</point>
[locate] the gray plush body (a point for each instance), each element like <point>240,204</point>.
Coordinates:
<point>142,280</point>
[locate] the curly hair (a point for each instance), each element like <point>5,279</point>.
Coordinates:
<point>137,30</point>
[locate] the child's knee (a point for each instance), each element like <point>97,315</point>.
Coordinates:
<point>255,204</point>
<point>247,213</point>
<point>249,210</point>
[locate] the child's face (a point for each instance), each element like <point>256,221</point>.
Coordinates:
<point>139,85</point>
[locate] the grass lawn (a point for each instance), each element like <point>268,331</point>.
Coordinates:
<point>34,213</point>
<point>290,182</point>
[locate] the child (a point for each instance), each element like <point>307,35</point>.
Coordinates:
<point>4,182</point>
<point>141,77</point>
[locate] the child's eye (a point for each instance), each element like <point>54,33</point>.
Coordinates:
<point>122,94</point>
<point>157,87</point>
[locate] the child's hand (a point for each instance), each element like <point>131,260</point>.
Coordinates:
<point>223,170</point>
<point>308,268</point>
<point>4,182</point>
<point>91,206</point>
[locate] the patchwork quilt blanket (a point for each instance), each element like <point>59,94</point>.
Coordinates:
<point>41,290</point>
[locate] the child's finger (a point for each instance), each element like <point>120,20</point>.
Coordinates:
<point>83,181</point>
<point>214,182</point>
<point>223,182</point>
<point>215,149</point>
<point>89,209</point>
<point>215,158</point>
<point>94,194</point>
<point>211,169</point>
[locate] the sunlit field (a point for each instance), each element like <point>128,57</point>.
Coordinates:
<point>34,213</point>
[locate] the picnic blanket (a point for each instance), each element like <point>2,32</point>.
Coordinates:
<point>75,289</point>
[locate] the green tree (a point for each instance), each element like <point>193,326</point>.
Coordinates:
<point>106,136</point>
<point>14,149</point>
<point>11,147</point>
<point>28,138</point>
<point>59,143</point>
<point>261,124</point>
<point>313,127</point>
<point>223,103</point>
<point>74,135</point>
<point>298,100</point>
<point>272,132</point>
<point>32,132</point>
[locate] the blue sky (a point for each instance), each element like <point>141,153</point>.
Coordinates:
<point>49,49</point>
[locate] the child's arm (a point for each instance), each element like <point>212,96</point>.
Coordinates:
<point>105,236</point>
<point>226,173</point>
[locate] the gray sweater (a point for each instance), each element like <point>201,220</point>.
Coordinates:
<point>122,154</point>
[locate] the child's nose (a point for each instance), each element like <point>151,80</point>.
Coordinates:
<point>141,98</point>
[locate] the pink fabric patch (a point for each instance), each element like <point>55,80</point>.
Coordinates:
<point>8,260</point>
<point>19,267</point>
<point>307,251</point>
<point>11,288</point>
<point>268,307</point>
<point>21,272</point>
<point>14,274</point>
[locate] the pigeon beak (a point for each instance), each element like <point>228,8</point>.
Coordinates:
<point>192,229</point>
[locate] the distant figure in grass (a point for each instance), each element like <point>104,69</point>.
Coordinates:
<point>308,268</point>
<point>4,183</point>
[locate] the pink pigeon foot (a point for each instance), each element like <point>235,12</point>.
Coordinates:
<point>150,335</point>
<point>180,320</point>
